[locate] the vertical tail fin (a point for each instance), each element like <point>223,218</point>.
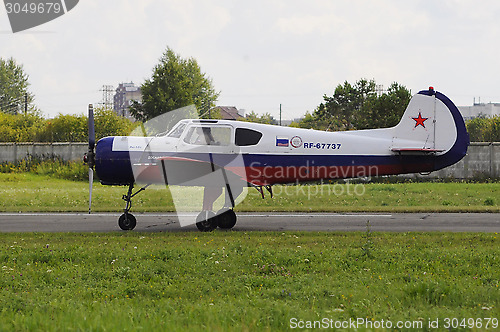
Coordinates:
<point>432,124</point>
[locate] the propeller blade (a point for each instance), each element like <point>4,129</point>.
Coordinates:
<point>91,153</point>
<point>91,182</point>
<point>91,127</point>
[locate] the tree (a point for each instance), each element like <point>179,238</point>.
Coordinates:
<point>347,100</point>
<point>319,120</point>
<point>175,83</point>
<point>482,129</point>
<point>359,106</point>
<point>385,110</point>
<point>13,87</point>
<point>264,118</point>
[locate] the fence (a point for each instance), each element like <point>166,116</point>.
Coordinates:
<point>482,160</point>
<point>14,152</point>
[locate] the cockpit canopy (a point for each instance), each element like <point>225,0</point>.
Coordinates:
<point>211,132</point>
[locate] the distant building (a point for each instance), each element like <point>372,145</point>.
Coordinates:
<point>480,110</point>
<point>229,112</point>
<point>125,94</point>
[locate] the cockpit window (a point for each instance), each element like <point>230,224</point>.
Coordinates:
<point>204,135</point>
<point>246,137</point>
<point>177,131</point>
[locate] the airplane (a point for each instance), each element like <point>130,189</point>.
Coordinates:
<point>431,135</point>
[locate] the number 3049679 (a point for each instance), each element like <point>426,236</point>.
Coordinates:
<point>33,7</point>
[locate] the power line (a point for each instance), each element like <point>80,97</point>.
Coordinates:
<point>16,100</point>
<point>15,105</point>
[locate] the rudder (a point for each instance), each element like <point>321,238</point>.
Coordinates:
<point>432,124</point>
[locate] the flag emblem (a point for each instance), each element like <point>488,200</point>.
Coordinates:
<point>282,141</point>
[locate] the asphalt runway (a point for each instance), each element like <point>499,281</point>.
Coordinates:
<point>344,222</point>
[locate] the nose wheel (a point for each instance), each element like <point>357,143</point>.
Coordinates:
<point>127,221</point>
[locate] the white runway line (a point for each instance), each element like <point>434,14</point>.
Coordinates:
<point>169,214</point>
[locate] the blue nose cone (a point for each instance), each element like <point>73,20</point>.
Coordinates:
<point>112,167</point>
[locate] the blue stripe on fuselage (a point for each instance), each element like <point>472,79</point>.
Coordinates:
<point>114,167</point>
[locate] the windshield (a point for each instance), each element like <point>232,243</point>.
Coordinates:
<point>177,131</point>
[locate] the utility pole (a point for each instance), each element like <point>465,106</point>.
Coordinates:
<point>25,103</point>
<point>280,114</point>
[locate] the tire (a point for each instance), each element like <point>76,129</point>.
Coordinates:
<point>127,222</point>
<point>226,218</point>
<point>206,221</point>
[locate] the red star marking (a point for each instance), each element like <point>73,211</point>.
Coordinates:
<point>420,120</point>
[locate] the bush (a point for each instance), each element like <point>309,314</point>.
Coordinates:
<point>68,170</point>
<point>63,128</point>
<point>20,127</point>
<point>484,129</point>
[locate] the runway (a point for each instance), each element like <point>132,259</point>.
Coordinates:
<point>342,222</point>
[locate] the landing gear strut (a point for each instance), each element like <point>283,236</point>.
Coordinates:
<point>127,220</point>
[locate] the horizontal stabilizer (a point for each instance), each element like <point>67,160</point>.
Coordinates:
<point>416,150</point>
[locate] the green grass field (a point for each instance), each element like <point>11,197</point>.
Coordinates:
<point>249,281</point>
<point>35,193</point>
<point>245,281</point>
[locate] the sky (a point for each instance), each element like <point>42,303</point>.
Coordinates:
<point>263,53</point>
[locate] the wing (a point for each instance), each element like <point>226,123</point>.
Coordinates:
<point>193,172</point>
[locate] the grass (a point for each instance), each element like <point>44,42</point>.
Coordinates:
<point>246,281</point>
<point>243,281</point>
<point>26,192</point>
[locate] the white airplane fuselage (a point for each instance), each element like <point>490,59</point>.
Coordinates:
<point>431,135</point>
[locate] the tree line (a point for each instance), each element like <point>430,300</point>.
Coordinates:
<point>482,129</point>
<point>32,127</point>
<point>358,106</point>
<point>177,82</point>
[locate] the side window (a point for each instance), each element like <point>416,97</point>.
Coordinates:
<point>216,135</point>
<point>246,137</point>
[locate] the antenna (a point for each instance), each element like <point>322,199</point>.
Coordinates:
<point>379,89</point>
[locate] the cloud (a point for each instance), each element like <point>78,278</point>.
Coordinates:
<point>263,53</point>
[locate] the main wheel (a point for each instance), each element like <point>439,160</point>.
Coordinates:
<point>127,222</point>
<point>226,218</point>
<point>206,221</point>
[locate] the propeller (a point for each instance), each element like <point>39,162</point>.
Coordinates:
<point>90,155</point>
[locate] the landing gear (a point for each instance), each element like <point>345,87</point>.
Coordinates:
<point>127,221</point>
<point>206,221</point>
<point>226,218</point>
